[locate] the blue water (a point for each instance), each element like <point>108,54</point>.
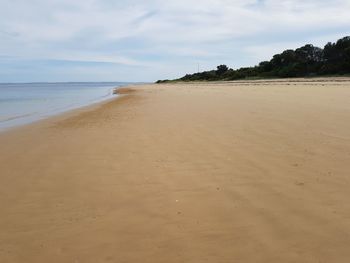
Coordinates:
<point>28,102</point>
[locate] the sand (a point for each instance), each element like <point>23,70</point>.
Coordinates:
<point>211,172</point>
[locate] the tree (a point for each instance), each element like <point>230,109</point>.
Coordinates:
<point>221,69</point>
<point>307,60</point>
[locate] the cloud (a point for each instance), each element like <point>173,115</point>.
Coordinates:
<point>159,39</point>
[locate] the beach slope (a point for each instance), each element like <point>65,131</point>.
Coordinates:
<point>212,172</point>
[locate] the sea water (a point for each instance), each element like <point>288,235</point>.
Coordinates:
<point>28,102</point>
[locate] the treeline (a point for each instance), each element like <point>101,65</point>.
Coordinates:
<point>306,61</point>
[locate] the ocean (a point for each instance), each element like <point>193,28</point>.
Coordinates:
<point>29,102</point>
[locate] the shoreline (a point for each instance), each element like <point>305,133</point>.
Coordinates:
<point>183,173</point>
<point>115,94</point>
<point>127,89</point>
<point>58,116</point>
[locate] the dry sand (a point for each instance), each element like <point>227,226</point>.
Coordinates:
<point>222,172</point>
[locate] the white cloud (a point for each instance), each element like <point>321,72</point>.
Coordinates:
<point>165,31</point>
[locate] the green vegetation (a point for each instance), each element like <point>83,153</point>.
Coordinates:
<point>307,61</point>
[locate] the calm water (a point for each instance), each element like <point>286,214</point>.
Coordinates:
<point>28,102</point>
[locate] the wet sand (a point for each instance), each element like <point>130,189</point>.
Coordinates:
<point>213,172</point>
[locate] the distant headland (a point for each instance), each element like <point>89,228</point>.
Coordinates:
<point>306,61</point>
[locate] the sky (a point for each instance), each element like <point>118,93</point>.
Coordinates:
<point>147,40</point>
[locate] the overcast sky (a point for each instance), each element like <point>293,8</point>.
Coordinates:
<point>146,40</point>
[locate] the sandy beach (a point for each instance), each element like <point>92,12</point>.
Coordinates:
<point>250,171</point>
